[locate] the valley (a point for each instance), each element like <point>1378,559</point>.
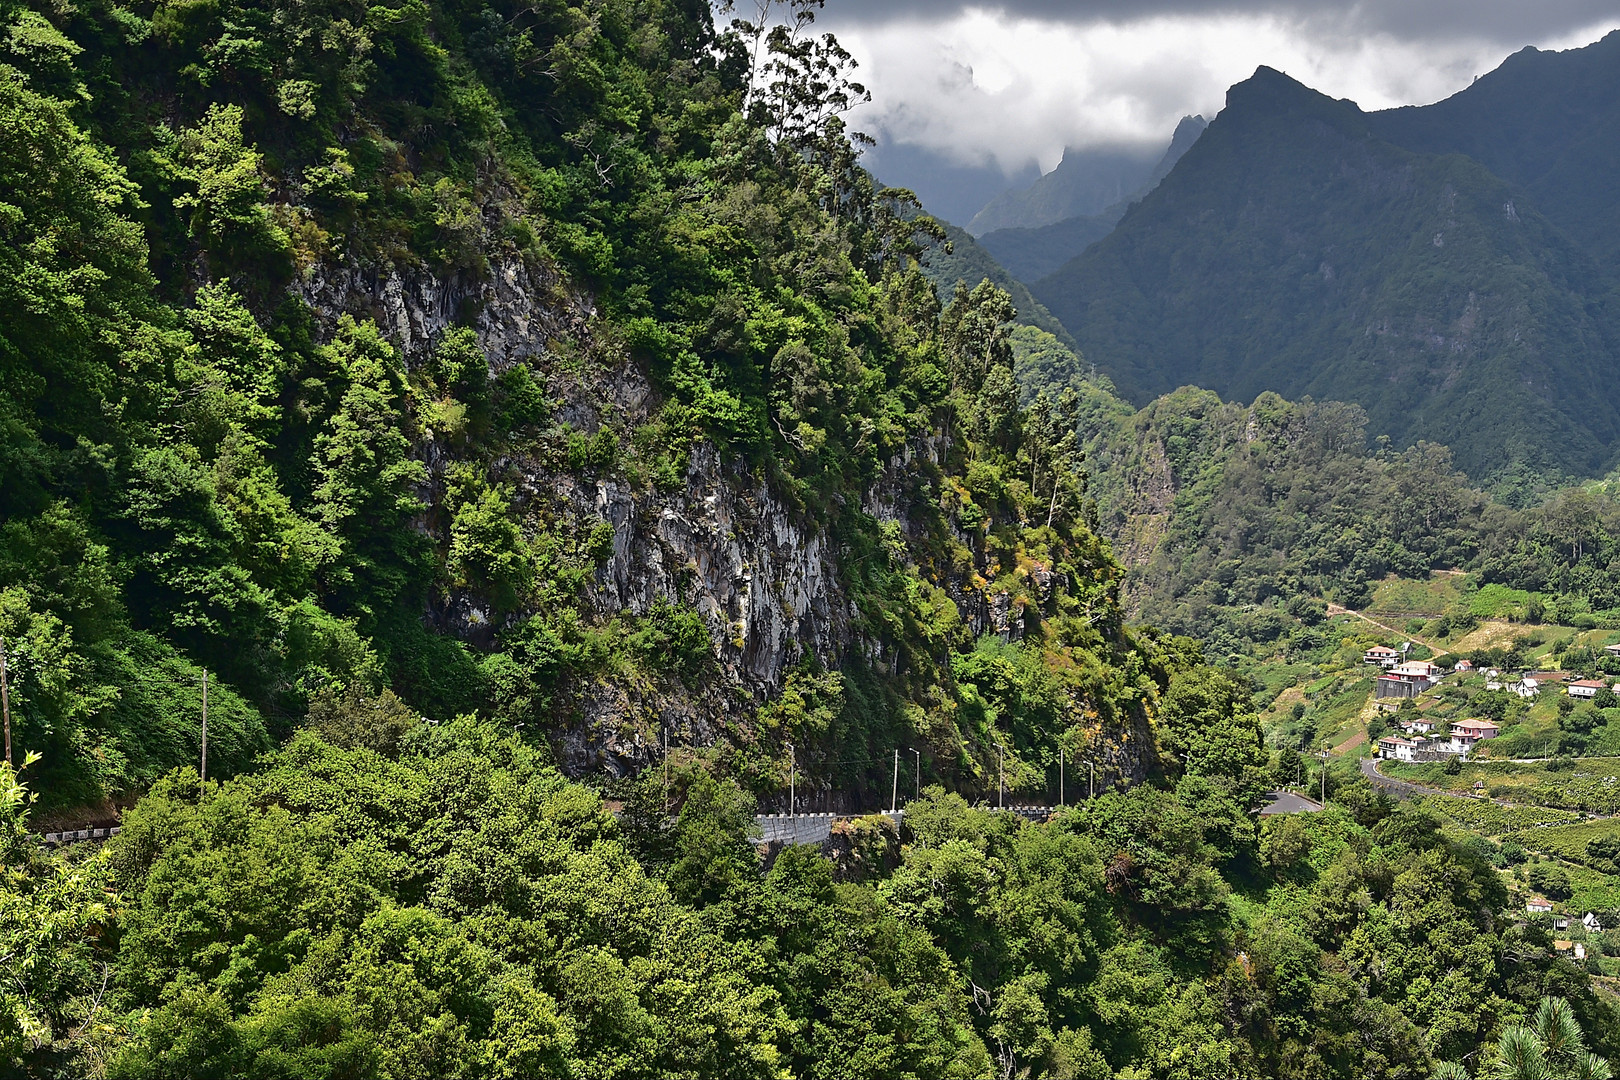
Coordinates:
<point>523,558</point>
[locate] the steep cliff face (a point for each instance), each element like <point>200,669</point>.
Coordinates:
<point>765,576</point>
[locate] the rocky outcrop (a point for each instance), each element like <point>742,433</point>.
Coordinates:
<point>516,308</point>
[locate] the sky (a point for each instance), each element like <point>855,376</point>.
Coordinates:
<point>981,96</point>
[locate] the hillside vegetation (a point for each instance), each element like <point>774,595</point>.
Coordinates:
<point>540,432</point>
<point>1297,249</point>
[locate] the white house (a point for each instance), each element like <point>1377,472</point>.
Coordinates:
<point>1593,924</point>
<point>1535,682</point>
<point>1580,951</point>
<point>1585,688</point>
<point>1537,905</point>
<point>1560,922</point>
<point>1395,748</point>
<point>1421,725</point>
<point>1612,650</point>
<point>1382,655</point>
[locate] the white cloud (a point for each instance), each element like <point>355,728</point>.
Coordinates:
<point>983,86</point>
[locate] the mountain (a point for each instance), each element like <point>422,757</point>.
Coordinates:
<point>1032,253</point>
<point>1085,182</point>
<point>1295,249</point>
<point>1544,121</point>
<point>951,190</point>
<point>968,263</point>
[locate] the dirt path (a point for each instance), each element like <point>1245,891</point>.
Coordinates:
<point>1338,609</point>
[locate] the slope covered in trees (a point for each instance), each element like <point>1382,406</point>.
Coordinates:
<point>484,394</point>
<point>1304,247</point>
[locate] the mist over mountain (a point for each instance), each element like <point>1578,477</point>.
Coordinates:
<point>1446,267</point>
<point>1031,253</point>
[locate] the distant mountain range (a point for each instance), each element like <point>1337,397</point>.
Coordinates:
<point>1033,251</point>
<point>1452,268</point>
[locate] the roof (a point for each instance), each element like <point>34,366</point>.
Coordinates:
<point>1596,684</point>
<point>1563,945</point>
<point>1383,650</point>
<point>1479,724</point>
<point>1396,740</point>
<point>1539,901</point>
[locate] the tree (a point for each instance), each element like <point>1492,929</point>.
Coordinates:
<point>1550,1047</point>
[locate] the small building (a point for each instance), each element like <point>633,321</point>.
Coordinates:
<point>1464,665</point>
<point>1560,922</point>
<point>1585,688</point>
<point>1382,655</point>
<point>1422,725</point>
<point>1580,951</point>
<point>1538,905</point>
<point>1391,686</point>
<point>1612,650</point>
<point>1563,945</point>
<point>1417,670</point>
<point>1537,681</point>
<point>1593,924</point>
<point>1476,729</point>
<point>1395,748</point>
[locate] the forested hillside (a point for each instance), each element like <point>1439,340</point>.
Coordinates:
<point>1304,247</point>
<point>541,434</point>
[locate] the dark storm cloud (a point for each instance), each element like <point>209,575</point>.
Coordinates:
<point>1507,21</point>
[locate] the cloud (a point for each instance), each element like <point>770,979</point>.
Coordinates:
<point>1007,85</point>
<point>1512,22</point>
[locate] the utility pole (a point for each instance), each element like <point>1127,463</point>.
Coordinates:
<point>1060,776</point>
<point>666,768</point>
<point>5,699</point>
<point>1093,792</point>
<point>1001,776</point>
<point>205,729</point>
<point>918,752</point>
<point>793,780</point>
<point>1324,771</point>
<point>894,792</point>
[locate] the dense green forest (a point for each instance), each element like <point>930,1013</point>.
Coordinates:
<point>486,395</point>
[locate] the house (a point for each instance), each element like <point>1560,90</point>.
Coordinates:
<point>1421,725</point>
<point>1464,665</point>
<point>1580,951</point>
<point>1585,688</point>
<point>1393,686</point>
<point>1560,922</point>
<point>1612,650</point>
<point>1593,924</point>
<point>1465,734</point>
<point>1395,748</point>
<point>1417,670</point>
<point>1537,905</point>
<point>1382,655</point>
<point>1534,682</point>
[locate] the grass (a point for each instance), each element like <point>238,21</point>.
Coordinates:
<point>1435,596</point>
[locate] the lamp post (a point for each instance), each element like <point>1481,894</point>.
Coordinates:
<point>918,754</point>
<point>793,780</point>
<point>894,792</point>
<point>1001,776</point>
<point>5,699</point>
<point>1324,771</point>
<point>1060,775</point>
